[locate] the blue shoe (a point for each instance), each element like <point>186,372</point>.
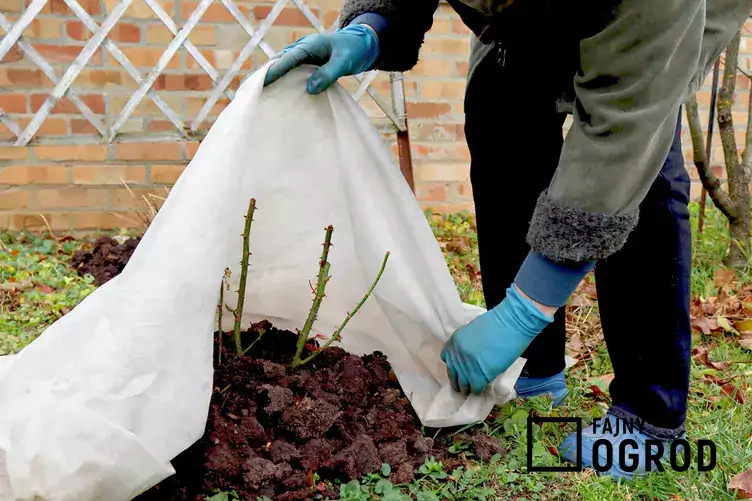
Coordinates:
<point>613,430</point>
<point>555,386</point>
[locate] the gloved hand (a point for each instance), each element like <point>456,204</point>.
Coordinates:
<point>480,351</point>
<point>348,51</point>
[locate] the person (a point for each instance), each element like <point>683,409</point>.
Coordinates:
<point>614,193</point>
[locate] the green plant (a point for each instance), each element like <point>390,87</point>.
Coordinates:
<point>433,469</point>
<point>224,496</point>
<point>238,311</point>
<point>319,293</point>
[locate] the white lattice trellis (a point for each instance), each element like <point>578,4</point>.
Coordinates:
<point>394,111</point>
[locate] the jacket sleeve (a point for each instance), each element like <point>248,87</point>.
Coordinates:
<point>724,18</point>
<point>402,32</point>
<point>633,77</point>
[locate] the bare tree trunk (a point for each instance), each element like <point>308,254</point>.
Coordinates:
<point>738,179</point>
<point>734,204</point>
<point>720,198</point>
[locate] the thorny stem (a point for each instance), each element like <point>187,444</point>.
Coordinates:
<point>338,332</point>
<point>254,342</point>
<point>243,275</point>
<point>220,329</point>
<point>318,297</point>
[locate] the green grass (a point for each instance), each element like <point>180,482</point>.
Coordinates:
<point>36,260</point>
<point>712,414</point>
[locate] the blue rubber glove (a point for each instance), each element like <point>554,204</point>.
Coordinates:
<point>480,351</point>
<point>348,51</point>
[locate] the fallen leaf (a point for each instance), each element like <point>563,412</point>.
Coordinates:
<point>732,391</point>
<point>575,343</point>
<point>589,290</point>
<point>701,355</point>
<point>723,277</point>
<point>473,271</point>
<point>724,324</point>
<point>597,394</point>
<point>705,325</point>
<point>745,341</point>
<point>45,288</point>
<point>742,483</point>
<point>744,325</point>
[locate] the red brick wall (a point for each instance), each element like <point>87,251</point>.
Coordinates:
<point>79,186</point>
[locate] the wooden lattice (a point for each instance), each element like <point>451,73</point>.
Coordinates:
<point>394,110</point>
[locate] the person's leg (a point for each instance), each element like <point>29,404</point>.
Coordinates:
<point>514,134</point>
<point>651,360</point>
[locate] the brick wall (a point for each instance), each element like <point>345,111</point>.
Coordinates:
<point>66,178</point>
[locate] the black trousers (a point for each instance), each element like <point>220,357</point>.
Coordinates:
<point>515,136</point>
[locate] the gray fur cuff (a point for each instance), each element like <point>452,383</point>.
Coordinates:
<point>568,234</point>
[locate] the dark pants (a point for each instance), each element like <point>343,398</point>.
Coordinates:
<point>515,136</point>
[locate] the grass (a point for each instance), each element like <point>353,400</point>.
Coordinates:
<point>49,288</point>
<point>713,413</point>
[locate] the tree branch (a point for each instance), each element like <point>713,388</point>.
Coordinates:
<point>711,183</point>
<point>747,154</point>
<point>725,117</point>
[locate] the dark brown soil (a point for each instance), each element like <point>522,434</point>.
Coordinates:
<point>269,428</point>
<point>105,259</point>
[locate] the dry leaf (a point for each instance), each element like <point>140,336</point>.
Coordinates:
<point>723,277</point>
<point>45,288</point>
<point>705,325</point>
<point>742,483</point>
<point>745,341</point>
<point>744,325</point>
<point>575,343</point>
<point>732,391</point>
<point>597,393</point>
<point>589,290</point>
<point>701,355</point>
<point>724,324</point>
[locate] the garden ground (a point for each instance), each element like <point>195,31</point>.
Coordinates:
<point>38,285</point>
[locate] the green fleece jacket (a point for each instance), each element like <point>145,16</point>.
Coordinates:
<point>638,62</point>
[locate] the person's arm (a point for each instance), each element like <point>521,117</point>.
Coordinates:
<point>634,76</point>
<point>401,26</point>
<point>724,18</point>
<point>374,34</point>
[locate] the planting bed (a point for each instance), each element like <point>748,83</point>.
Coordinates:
<point>292,434</point>
<point>105,259</point>
<point>270,429</point>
